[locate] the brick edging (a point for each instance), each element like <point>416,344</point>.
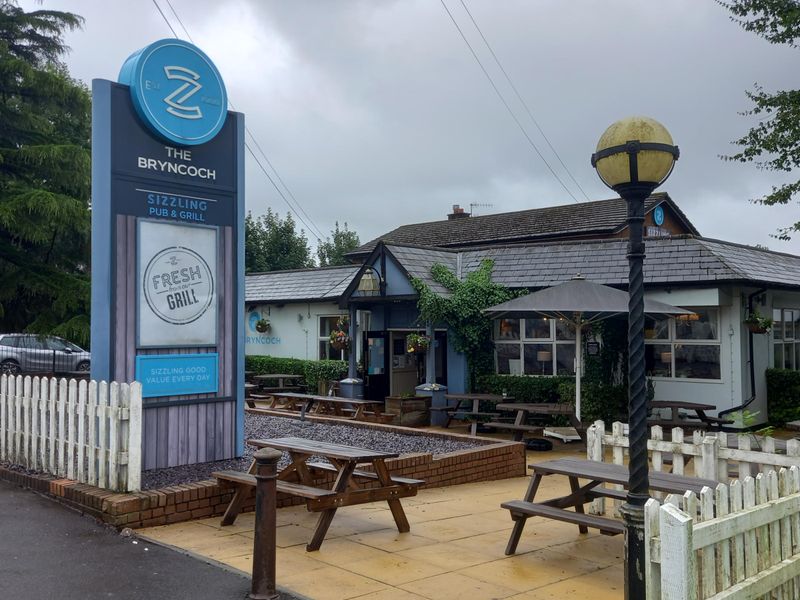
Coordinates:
<point>202,499</point>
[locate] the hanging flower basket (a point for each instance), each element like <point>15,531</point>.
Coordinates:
<point>758,324</point>
<point>340,338</point>
<point>262,326</point>
<point>417,343</point>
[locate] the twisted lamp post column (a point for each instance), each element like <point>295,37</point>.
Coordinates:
<point>634,156</point>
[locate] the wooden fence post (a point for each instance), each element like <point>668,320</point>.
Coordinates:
<point>709,456</point>
<point>594,451</point>
<point>652,569</point>
<point>678,570</point>
<point>135,438</point>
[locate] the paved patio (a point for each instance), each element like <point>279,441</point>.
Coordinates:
<point>454,550</point>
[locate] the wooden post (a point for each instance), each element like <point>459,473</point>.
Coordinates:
<point>709,452</point>
<point>594,451</point>
<point>135,438</point>
<point>652,568</point>
<point>678,571</point>
<point>264,540</point>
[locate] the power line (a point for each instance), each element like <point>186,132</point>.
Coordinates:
<point>519,97</point>
<point>310,225</point>
<point>505,103</point>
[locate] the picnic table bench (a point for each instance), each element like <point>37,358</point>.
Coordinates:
<point>597,473</point>
<point>467,408</point>
<point>523,409</point>
<point>698,420</point>
<point>349,408</point>
<point>301,479</point>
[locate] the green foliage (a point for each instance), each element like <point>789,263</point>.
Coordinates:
<point>604,401</point>
<point>313,371</point>
<point>331,252</point>
<point>526,388</point>
<point>45,174</point>
<point>462,312</point>
<point>774,142</point>
<point>783,395</point>
<point>273,244</point>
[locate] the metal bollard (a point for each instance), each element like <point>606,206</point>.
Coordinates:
<point>263,584</point>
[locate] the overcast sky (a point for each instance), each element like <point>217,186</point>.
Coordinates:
<point>374,112</point>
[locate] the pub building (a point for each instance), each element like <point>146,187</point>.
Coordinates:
<point>709,356</point>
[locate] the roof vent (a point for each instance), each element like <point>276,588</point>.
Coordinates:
<point>458,213</point>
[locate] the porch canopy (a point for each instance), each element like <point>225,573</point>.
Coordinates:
<point>578,302</point>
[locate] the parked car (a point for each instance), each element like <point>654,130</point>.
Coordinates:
<point>31,353</point>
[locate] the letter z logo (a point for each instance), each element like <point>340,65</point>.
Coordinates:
<point>177,99</point>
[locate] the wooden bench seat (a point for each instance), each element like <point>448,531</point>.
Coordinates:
<point>518,430</point>
<point>522,509</point>
<point>296,489</point>
<point>365,474</point>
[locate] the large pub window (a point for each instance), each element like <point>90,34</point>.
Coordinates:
<point>684,347</point>
<point>327,323</point>
<point>537,346</point>
<point>786,338</point>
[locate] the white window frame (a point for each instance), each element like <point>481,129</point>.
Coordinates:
<point>783,341</point>
<point>672,341</point>
<point>523,341</point>
<point>326,338</point>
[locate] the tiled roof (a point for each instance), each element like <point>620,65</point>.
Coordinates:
<point>418,262</point>
<point>300,284</point>
<point>585,219</point>
<point>684,259</point>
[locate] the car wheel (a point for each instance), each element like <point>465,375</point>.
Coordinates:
<point>83,365</point>
<point>9,367</point>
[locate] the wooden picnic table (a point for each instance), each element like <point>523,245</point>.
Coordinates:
<point>523,409</point>
<point>468,405</point>
<point>700,420</point>
<point>263,379</point>
<point>597,473</point>
<point>320,405</point>
<point>302,478</point>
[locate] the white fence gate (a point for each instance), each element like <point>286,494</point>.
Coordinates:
<point>87,431</point>
<point>735,542</point>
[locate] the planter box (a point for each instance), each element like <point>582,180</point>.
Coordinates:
<point>409,412</point>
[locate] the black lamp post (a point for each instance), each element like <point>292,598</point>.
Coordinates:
<point>634,156</point>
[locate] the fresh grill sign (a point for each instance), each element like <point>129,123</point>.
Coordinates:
<point>178,285</point>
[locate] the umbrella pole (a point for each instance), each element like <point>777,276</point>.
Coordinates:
<point>578,360</point>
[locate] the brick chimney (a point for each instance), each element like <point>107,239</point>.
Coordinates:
<point>458,213</point>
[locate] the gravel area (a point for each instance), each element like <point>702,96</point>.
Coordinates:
<point>262,426</point>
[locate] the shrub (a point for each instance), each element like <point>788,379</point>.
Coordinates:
<point>603,401</point>
<point>522,388</point>
<point>313,371</point>
<point>783,395</point>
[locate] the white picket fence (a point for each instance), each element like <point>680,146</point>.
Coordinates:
<point>738,541</point>
<point>709,455</point>
<point>90,432</point>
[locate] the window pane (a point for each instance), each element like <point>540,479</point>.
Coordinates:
<point>697,361</point>
<point>323,350</point>
<point>788,324</point>
<point>658,360</point>
<point>326,325</point>
<point>55,344</point>
<point>777,326</point>
<point>565,359</point>
<point>788,356</point>
<point>537,329</point>
<point>538,359</point>
<point>506,329</point>
<point>508,362</point>
<point>797,356</point>
<point>702,325</point>
<point>778,358</point>
<point>564,330</point>
<point>656,329</point>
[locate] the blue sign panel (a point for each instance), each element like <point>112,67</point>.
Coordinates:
<point>177,91</point>
<point>658,215</point>
<point>177,374</point>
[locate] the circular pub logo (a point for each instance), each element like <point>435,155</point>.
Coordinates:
<point>178,285</point>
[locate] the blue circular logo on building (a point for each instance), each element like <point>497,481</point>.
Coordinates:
<point>658,216</point>
<point>176,91</point>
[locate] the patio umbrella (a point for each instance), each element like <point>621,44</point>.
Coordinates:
<point>579,302</point>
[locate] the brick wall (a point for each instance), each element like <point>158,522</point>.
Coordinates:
<point>205,498</point>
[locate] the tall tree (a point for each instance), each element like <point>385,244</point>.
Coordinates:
<point>331,252</point>
<point>45,174</point>
<point>273,244</point>
<point>774,143</point>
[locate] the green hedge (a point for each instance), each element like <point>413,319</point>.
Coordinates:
<point>783,395</point>
<point>313,371</point>
<point>524,389</point>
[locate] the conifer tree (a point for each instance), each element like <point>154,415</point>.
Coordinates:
<point>45,174</point>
